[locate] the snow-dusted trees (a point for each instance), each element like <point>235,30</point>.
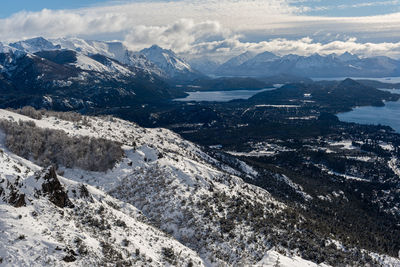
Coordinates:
<point>55,147</point>
<point>38,114</point>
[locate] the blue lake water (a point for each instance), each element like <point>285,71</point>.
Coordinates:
<point>388,115</point>
<point>221,96</point>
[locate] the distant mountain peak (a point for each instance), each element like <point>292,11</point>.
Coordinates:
<point>266,55</point>
<point>347,56</point>
<point>34,45</point>
<point>173,66</point>
<point>158,49</point>
<point>240,59</point>
<point>348,82</point>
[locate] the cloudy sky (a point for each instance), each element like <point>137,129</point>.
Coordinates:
<point>215,27</point>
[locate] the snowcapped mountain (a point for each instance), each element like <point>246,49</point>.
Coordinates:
<point>164,203</point>
<point>260,58</point>
<point>35,45</point>
<point>114,50</point>
<point>249,61</point>
<point>204,64</point>
<point>345,65</point>
<point>173,66</point>
<point>239,60</point>
<point>166,64</point>
<point>234,62</point>
<point>154,60</point>
<point>346,56</point>
<point>67,79</point>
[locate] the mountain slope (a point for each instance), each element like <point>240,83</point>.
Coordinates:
<point>234,62</point>
<point>114,50</point>
<point>65,79</point>
<point>173,66</point>
<point>152,61</point>
<point>35,45</point>
<point>48,220</point>
<point>198,200</point>
<point>205,64</point>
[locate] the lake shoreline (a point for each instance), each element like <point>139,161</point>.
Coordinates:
<point>387,115</point>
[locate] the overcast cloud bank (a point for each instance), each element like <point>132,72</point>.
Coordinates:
<point>220,28</point>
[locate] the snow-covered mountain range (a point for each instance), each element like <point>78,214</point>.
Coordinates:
<point>345,65</point>
<point>164,203</point>
<point>170,66</point>
<point>114,50</point>
<point>69,79</point>
<point>154,60</point>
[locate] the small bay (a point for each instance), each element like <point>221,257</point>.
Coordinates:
<point>387,115</point>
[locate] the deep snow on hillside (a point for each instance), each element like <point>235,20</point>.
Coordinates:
<point>199,209</point>
<point>166,176</point>
<point>47,220</point>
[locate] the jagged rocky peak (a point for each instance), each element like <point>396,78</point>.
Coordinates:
<point>347,56</point>
<point>114,49</point>
<point>35,45</point>
<point>164,57</point>
<point>170,63</point>
<point>157,48</point>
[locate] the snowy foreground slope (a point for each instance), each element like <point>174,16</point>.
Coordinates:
<point>165,203</point>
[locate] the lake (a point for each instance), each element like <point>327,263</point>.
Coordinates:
<point>221,96</point>
<point>388,115</point>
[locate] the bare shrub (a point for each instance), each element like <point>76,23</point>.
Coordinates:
<point>46,147</point>
<point>38,114</point>
<point>30,112</point>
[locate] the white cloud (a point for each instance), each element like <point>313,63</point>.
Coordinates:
<point>120,18</point>
<point>222,27</point>
<point>179,36</point>
<point>304,46</point>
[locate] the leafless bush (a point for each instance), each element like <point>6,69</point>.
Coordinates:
<point>30,112</point>
<point>55,147</point>
<point>39,114</point>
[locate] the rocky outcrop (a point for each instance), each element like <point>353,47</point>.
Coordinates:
<point>52,188</point>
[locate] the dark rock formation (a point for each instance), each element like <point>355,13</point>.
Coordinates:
<point>52,188</point>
